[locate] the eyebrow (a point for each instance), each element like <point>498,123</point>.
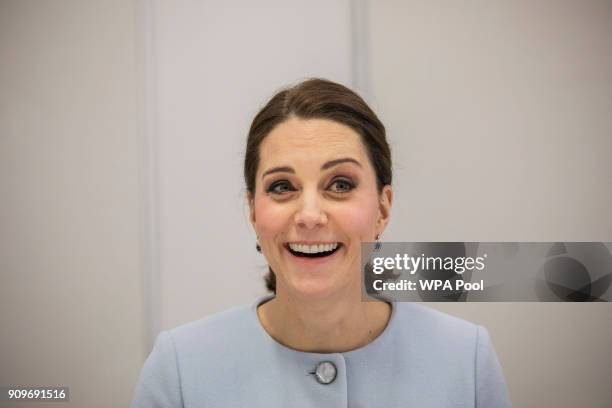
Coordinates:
<point>329,164</point>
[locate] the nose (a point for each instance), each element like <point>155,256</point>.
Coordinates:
<point>310,213</point>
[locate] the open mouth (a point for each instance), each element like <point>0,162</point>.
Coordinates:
<point>313,251</point>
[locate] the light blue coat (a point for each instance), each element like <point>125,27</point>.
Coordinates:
<point>423,359</point>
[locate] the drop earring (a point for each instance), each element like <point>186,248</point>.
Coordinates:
<point>257,246</point>
<point>377,245</point>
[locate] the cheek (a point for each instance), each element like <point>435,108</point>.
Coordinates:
<point>270,218</point>
<point>358,218</point>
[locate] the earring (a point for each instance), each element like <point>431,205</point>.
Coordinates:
<point>257,246</point>
<point>377,245</point>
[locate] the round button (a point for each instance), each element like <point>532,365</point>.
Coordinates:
<point>325,372</point>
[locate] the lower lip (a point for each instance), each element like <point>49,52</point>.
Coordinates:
<point>314,261</point>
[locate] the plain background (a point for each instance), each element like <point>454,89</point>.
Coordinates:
<point>122,130</point>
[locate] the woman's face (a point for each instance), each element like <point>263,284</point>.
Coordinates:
<point>315,201</point>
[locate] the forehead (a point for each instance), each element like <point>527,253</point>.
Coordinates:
<point>316,139</point>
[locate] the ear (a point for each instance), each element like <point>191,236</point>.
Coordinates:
<point>384,208</point>
<point>251,202</point>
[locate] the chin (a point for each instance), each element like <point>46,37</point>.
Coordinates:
<point>315,288</point>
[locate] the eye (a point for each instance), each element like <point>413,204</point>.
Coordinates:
<point>341,186</point>
<point>280,187</point>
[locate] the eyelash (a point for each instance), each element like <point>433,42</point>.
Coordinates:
<point>350,185</point>
<point>273,186</point>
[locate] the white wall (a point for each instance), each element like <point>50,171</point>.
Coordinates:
<point>70,282</point>
<point>499,115</point>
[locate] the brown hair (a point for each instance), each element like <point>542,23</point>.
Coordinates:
<point>318,99</point>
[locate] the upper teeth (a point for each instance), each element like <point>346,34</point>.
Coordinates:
<point>313,249</point>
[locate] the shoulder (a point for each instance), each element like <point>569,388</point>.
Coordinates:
<point>463,349</point>
<point>225,321</point>
<point>174,367</point>
<point>436,336</point>
<point>428,323</point>
<point>221,331</point>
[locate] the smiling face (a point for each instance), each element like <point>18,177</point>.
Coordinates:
<point>315,201</point>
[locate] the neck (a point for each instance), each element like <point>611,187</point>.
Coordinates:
<point>324,326</point>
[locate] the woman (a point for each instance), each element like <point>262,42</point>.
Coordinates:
<point>318,178</point>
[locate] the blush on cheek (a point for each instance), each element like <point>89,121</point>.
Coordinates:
<point>270,219</point>
<point>358,220</point>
